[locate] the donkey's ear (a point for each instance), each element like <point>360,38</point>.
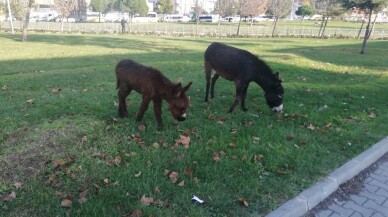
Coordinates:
<point>278,77</point>
<point>177,90</point>
<point>187,87</point>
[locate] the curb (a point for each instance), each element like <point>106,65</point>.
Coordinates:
<point>309,198</point>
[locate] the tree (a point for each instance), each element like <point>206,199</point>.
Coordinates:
<point>369,6</point>
<point>133,7</point>
<point>64,8</point>
<point>100,6</point>
<point>224,8</point>
<point>328,8</point>
<point>21,10</point>
<point>305,10</point>
<point>250,8</point>
<point>30,4</point>
<point>165,6</point>
<point>198,10</point>
<point>279,9</point>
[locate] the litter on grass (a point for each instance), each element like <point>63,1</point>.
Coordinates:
<point>197,199</point>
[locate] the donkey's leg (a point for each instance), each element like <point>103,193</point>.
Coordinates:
<point>122,94</point>
<point>239,94</point>
<point>208,73</point>
<point>158,112</point>
<point>243,96</point>
<point>143,107</point>
<point>214,79</point>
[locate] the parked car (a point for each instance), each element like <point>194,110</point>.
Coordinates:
<point>171,18</point>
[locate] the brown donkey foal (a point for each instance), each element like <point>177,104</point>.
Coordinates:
<point>153,85</point>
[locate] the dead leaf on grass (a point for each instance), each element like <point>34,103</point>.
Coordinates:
<point>30,101</point>
<point>310,126</point>
<point>184,140</point>
<point>8,197</point>
<point>243,202</point>
<point>146,200</point>
<point>5,87</point>
<point>134,213</point>
<point>56,90</point>
<point>372,115</point>
<point>173,176</point>
<point>84,139</point>
<point>156,190</point>
<point>18,185</point>
<point>66,203</point>
<point>138,174</point>
<point>216,156</point>
<point>142,127</point>
<point>182,183</point>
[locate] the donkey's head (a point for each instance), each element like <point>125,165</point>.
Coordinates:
<point>178,103</point>
<point>274,96</point>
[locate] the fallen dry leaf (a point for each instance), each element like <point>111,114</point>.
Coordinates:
<point>5,87</point>
<point>166,172</point>
<point>310,126</point>
<point>83,194</point>
<point>58,163</point>
<point>56,90</point>
<point>134,213</point>
<point>188,172</point>
<point>243,202</point>
<point>372,115</point>
<point>66,203</point>
<point>182,183</point>
<point>174,176</point>
<point>142,127</point>
<point>117,160</point>
<point>156,190</point>
<point>84,139</point>
<point>138,174</point>
<point>216,156</point>
<point>18,185</point>
<point>8,197</point>
<point>280,171</point>
<point>146,200</point>
<point>184,140</point>
<point>30,101</point>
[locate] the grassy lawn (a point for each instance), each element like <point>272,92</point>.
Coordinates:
<point>62,139</point>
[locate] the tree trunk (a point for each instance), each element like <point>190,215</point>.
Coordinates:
<point>366,33</point>
<point>238,27</point>
<point>324,27</point>
<point>362,25</point>
<point>274,26</point>
<point>320,29</point>
<point>26,21</point>
<point>373,27</point>
<point>62,22</point>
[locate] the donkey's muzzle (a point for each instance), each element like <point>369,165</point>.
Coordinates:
<point>182,118</point>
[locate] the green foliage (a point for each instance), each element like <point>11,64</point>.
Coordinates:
<point>100,5</point>
<point>305,10</point>
<point>165,6</point>
<point>61,133</point>
<point>374,5</point>
<point>133,6</point>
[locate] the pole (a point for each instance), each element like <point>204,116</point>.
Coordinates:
<point>10,17</point>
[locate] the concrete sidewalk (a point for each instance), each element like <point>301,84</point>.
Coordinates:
<point>367,193</point>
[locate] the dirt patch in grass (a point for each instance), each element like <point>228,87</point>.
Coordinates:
<point>28,152</point>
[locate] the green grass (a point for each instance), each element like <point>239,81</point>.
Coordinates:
<point>67,141</point>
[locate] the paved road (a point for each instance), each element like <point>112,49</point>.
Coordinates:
<point>357,188</point>
<point>366,195</point>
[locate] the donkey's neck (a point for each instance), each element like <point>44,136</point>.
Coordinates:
<point>265,79</point>
<point>166,89</point>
